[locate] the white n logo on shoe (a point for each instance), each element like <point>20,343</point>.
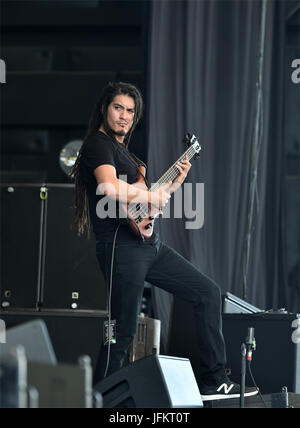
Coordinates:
<point>227,388</point>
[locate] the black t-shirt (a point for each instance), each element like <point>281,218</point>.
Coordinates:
<point>100,149</point>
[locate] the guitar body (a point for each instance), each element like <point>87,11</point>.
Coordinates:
<point>141,218</point>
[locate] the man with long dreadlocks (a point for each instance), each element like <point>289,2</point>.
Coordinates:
<point>99,171</point>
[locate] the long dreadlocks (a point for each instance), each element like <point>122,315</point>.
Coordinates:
<point>99,116</point>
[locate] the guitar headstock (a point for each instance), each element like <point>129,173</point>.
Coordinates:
<point>191,140</point>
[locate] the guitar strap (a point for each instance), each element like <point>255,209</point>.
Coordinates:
<point>137,163</point>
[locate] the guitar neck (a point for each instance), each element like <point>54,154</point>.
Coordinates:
<point>172,172</point>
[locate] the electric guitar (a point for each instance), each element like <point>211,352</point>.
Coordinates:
<point>141,217</point>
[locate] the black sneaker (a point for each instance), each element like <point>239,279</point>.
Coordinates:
<point>225,390</point>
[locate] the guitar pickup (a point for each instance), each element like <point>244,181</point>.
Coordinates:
<point>138,219</point>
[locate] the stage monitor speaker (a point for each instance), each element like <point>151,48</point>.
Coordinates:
<point>156,381</point>
<point>62,386</point>
<point>13,379</point>
<point>34,336</point>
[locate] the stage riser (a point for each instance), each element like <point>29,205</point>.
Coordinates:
<point>268,401</point>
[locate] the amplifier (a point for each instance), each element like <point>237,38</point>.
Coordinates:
<point>71,334</point>
<point>45,265</point>
<point>276,362</point>
<point>147,339</point>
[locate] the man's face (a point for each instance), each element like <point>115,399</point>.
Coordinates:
<point>120,114</point>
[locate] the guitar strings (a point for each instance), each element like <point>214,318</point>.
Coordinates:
<point>169,174</point>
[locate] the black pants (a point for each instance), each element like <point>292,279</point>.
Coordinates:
<point>163,267</point>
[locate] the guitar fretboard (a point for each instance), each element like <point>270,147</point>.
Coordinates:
<point>172,172</point>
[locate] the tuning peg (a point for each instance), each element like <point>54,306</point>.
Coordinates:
<point>187,140</point>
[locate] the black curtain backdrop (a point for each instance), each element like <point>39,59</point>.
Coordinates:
<point>204,78</point>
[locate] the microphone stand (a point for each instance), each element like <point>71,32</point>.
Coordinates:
<point>243,376</point>
<point>246,355</point>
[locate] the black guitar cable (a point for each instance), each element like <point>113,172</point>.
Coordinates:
<point>109,297</point>
<point>255,385</point>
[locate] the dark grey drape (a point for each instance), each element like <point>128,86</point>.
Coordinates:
<point>203,71</point>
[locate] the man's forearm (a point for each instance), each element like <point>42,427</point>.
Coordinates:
<point>123,192</point>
